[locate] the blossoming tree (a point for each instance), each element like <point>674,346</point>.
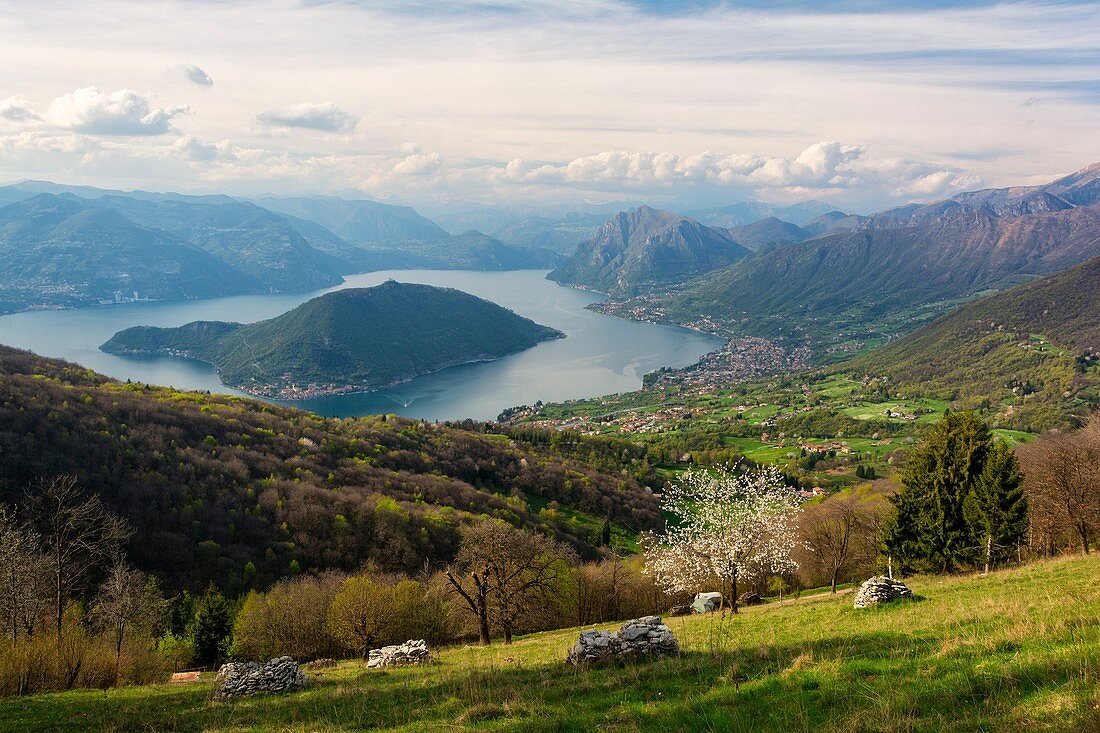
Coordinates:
<point>730,527</point>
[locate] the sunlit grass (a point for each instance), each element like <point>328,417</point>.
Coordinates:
<point>1019,650</point>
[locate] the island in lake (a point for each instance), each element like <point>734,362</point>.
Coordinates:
<point>354,340</point>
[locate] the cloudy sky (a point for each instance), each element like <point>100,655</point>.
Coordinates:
<point>688,104</point>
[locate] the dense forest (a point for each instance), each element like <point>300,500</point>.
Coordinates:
<point>239,492</point>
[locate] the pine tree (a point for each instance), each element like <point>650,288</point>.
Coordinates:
<point>996,507</point>
<point>605,533</point>
<point>931,528</point>
<point>211,629</point>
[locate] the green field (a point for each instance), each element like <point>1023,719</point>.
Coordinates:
<point>1019,650</point>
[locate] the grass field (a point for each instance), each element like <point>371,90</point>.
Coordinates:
<point>1019,650</point>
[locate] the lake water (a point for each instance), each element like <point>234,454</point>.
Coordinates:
<point>600,354</point>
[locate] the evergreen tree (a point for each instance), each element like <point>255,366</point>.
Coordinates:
<point>996,507</point>
<point>211,628</point>
<point>605,533</point>
<point>950,488</point>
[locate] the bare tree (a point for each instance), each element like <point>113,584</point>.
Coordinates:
<point>513,570</point>
<point>1062,481</point>
<point>840,535</point>
<point>731,527</point>
<point>23,592</point>
<point>471,583</point>
<point>128,599</point>
<point>79,533</point>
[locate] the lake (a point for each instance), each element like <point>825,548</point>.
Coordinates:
<point>600,354</point>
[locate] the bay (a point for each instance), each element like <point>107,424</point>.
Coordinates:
<point>600,354</point>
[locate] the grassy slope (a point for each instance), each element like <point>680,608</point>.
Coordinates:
<point>1018,650</point>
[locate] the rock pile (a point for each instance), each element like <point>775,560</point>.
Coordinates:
<point>322,663</point>
<point>641,637</point>
<point>706,602</point>
<point>880,589</point>
<point>411,652</point>
<point>244,679</point>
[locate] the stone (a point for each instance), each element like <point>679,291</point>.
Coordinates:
<point>413,651</point>
<point>244,679</point>
<point>879,590</point>
<point>323,663</point>
<point>184,678</point>
<point>646,637</point>
<point>706,602</point>
<point>749,599</point>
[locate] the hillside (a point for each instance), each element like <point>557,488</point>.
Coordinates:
<point>240,492</point>
<point>637,250</point>
<point>1041,340</point>
<point>62,251</point>
<point>349,340</point>
<point>244,236</point>
<point>358,221</point>
<point>889,279</point>
<point>1011,652</point>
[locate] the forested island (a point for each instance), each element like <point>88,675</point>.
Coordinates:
<point>353,340</point>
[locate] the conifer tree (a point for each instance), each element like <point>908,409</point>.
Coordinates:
<point>960,496</point>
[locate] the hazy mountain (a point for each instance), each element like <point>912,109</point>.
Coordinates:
<point>359,221</point>
<point>769,231</point>
<point>637,250</point>
<point>243,235</point>
<point>64,251</point>
<point>356,339</point>
<point>749,212</point>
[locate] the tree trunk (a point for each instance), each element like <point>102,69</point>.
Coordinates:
<point>988,551</point>
<point>733,599</point>
<point>1083,531</point>
<point>483,623</point>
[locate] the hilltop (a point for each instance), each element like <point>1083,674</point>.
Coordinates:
<point>357,339</point>
<point>1009,652</point>
<point>241,492</point>
<point>637,250</point>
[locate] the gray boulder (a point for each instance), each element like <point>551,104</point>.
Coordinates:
<point>398,655</point>
<point>879,590</point>
<point>244,679</point>
<point>645,637</point>
<point>706,602</point>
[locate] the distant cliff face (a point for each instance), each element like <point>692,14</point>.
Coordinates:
<point>350,340</point>
<point>639,249</point>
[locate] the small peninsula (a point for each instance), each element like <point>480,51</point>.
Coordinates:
<point>354,340</point>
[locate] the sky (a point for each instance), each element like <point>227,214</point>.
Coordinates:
<point>862,104</point>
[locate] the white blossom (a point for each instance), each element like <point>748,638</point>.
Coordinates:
<point>729,526</point>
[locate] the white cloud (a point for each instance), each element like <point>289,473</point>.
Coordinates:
<point>124,112</point>
<point>193,73</point>
<point>17,109</point>
<point>324,116</point>
<point>418,164</point>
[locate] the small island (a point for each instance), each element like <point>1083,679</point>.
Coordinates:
<point>355,340</point>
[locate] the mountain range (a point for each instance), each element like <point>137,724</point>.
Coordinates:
<point>357,339</point>
<point>78,245</point>
<point>842,277</point>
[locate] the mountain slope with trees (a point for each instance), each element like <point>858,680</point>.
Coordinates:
<point>1040,340</point>
<point>240,492</point>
